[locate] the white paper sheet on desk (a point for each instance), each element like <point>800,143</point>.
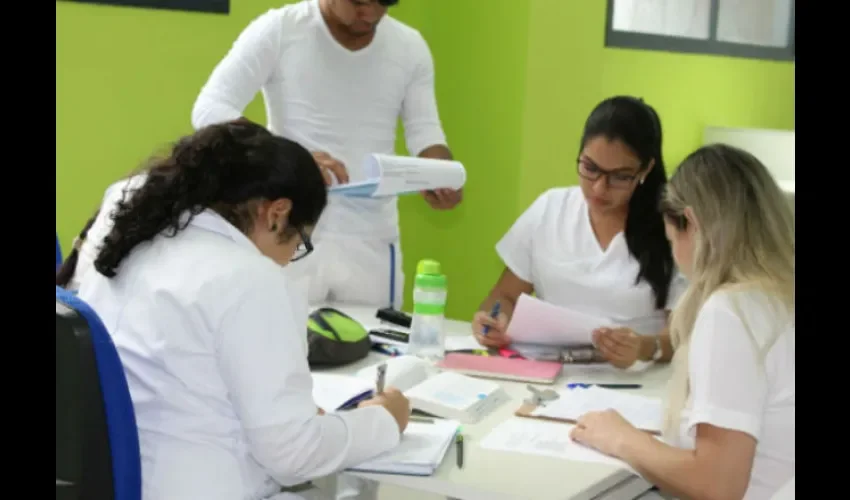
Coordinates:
<point>642,412</point>
<point>536,321</point>
<point>389,175</point>
<point>538,437</point>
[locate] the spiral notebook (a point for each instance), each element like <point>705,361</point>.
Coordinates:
<point>420,452</point>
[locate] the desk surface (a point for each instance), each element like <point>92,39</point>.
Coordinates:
<point>494,475</point>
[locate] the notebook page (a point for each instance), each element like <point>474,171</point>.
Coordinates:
<point>642,412</point>
<point>535,321</point>
<point>539,437</point>
<point>332,391</point>
<point>452,390</point>
<point>421,444</point>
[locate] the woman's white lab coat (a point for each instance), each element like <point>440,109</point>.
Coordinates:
<point>218,371</point>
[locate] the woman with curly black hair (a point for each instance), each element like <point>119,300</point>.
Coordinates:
<point>190,286</point>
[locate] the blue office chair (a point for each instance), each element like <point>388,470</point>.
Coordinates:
<point>97,441</point>
<point>58,252</point>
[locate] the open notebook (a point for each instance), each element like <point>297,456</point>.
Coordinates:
<point>443,394</point>
<point>389,175</point>
<point>333,392</point>
<point>421,450</point>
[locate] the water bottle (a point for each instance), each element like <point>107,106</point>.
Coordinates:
<point>429,304</point>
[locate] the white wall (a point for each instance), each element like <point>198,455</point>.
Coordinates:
<point>774,148</point>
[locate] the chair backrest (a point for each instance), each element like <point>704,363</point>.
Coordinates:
<point>97,442</point>
<point>58,252</point>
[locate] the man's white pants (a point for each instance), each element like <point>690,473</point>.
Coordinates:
<point>355,271</point>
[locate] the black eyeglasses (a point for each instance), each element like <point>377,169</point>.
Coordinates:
<point>304,248</point>
<point>617,180</point>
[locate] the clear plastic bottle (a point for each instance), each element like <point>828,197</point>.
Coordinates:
<point>427,339</point>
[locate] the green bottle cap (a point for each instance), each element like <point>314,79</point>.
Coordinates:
<point>428,266</point>
<point>429,274</point>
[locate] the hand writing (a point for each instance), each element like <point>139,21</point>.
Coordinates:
<point>496,336</point>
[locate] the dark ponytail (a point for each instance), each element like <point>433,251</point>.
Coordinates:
<point>223,167</point>
<point>638,126</point>
<point>66,271</point>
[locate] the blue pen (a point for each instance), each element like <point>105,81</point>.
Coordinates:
<point>493,314</point>
<point>578,385</point>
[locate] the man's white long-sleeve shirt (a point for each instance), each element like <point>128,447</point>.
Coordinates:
<point>216,362</point>
<point>331,99</point>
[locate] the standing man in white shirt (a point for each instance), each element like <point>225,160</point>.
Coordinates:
<point>336,75</point>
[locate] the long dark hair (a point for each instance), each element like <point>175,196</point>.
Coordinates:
<point>224,167</point>
<point>66,271</point>
<point>637,125</point>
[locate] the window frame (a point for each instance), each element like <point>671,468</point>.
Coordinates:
<point>712,46</point>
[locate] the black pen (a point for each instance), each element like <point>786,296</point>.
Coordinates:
<point>459,448</point>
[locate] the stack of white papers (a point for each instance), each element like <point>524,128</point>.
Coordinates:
<point>421,450</point>
<point>535,321</point>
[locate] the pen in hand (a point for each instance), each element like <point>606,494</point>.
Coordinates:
<point>382,378</point>
<point>493,314</point>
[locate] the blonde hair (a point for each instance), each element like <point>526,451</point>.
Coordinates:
<point>745,240</point>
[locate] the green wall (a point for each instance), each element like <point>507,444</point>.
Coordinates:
<point>515,81</point>
<point>569,71</point>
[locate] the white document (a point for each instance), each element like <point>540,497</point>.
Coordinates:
<point>421,450</point>
<point>333,391</point>
<point>389,175</point>
<point>403,372</point>
<point>538,437</point>
<point>535,321</point>
<point>642,412</point>
<point>462,343</point>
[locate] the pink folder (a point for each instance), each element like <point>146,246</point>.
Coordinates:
<point>523,370</point>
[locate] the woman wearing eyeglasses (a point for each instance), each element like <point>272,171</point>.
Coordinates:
<point>598,247</point>
<point>190,286</point>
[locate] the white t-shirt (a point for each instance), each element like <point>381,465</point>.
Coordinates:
<point>552,246</point>
<point>216,363</point>
<point>331,99</point>
<point>730,389</point>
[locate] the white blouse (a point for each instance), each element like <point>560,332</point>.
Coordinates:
<point>552,246</point>
<point>731,388</point>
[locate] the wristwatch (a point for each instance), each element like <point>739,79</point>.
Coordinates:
<point>659,351</point>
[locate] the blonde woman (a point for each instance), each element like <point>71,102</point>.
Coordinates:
<point>731,412</point>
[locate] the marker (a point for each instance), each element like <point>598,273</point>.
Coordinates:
<point>493,314</point>
<point>421,420</point>
<point>604,386</point>
<point>459,448</point>
<point>382,377</point>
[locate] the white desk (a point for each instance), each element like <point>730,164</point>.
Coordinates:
<point>488,475</point>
